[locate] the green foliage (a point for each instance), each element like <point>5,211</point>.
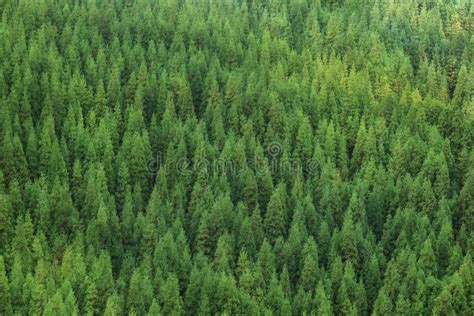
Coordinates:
<point>4,289</point>
<point>236,157</point>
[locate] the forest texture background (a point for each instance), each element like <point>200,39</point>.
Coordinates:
<point>113,114</point>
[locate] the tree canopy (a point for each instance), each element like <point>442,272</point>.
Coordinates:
<point>237,157</point>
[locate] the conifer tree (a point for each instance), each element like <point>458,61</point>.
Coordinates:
<point>274,222</point>
<point>4,289</point>
<point>170,297</point>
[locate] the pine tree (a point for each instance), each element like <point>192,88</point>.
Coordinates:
<point>310,267</point>
<point>427,258</point>
<point>17,280</point>
<point>113,305</point>
<point>204,308</point>
<point>246,239</point>
<point>349,249</point>
<point>170,297</point>
<point>6,218</point>
<point>444,243</point>
<point>154,309</point>
<point>6,307</point>
<point>266,261</point>
<point>372,280</point>
<point>321,302</point>
<point>102,284</point>
<point>191,298</point>
<point>183,96</point>
<point>140,292</point>
<point>257,227</point>
<point>443,303</point>
<point>303,146</point>
<point>55,306</point>
<point>309,273</point>
<point>92,300</point>
<point>275,298</point>
<point>274,223</point>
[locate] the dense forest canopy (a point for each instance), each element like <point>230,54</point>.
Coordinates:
<point>236,157</point>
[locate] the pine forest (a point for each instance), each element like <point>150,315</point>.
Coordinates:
<point>236,157</point>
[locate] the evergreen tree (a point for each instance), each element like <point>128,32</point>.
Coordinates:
<point>321,302</point>
<point>274,222</point>
<point>170,297</point>
<point>4,290</point>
